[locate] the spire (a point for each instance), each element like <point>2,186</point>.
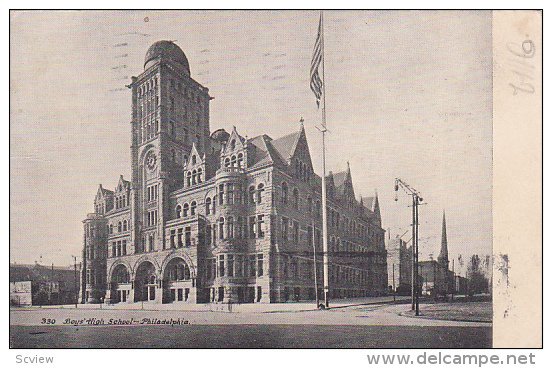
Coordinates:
<point>443,255</point>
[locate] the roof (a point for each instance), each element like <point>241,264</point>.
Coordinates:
<point>167,50</point>
<point>286,144</point>
<point>369,202</point>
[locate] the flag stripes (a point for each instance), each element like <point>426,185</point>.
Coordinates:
<point>315,81</point>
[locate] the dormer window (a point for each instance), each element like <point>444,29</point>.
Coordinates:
<point>233,161</point>
<point>193,160</point>
<point>233,144</point>
<point>227,162</point>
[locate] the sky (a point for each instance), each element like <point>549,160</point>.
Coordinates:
<point>408,95</point>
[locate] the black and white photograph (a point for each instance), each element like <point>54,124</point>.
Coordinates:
<point>229,179</point>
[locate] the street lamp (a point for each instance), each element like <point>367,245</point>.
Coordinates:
<point>416,199</point>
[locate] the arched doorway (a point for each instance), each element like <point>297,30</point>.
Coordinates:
<point>177,281</point>
<point>145,282</point>
<point>120,284</point>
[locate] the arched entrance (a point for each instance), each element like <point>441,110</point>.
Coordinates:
<point>145,282</point>
<point>177,281</point>
<point>120,284</point>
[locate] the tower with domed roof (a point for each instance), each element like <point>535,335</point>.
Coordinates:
<point>170,114</point>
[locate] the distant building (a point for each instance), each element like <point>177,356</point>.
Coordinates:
<point>48,285</point>
<point>21,294</point>
<point>435,276</point>
<point>399,265</point>
<point>219,217</point>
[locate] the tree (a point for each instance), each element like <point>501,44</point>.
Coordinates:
<point>477,282</point>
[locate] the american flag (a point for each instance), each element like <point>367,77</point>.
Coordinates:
<point>315,81</point>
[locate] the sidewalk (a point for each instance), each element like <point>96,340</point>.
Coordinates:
<point>235,308</point>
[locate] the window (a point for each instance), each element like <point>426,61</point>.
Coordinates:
<point>296,232</point>
<point>233,161</point>
<point>230,265</point>
<point>221,194</point>
<point>111,228</point>
<point>252,265</point>
<point>239,227</point>
<point>285,229</point>
<point>259,264</point>
<point>208,206</point>
<point>240,160</point>
<point>178,211</point>
<point>199,178</point>
<point>188,178</point>
<point>125,225</point>
<point>230,193</point>
<point>227,162</point>
<point>124,248</point>
<point>180,244</point>
<point>173,236</point>
<point>185,210</point>
<point>188,236</point>
<point>221,228</point>
<point>310,236</point>
<point>221,265</point>
<point>252,194</point>
<point>260,226</point>
<point>193,208</point>
<point>119,226</point>
<point>230,231</point>
<point>260,190</point>
<point>284,193</point>
<point>252,227</point>
<point>296,198</point>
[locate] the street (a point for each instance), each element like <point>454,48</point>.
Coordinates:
<point>357,326</point>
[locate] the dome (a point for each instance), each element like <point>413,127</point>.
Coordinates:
<point>167,50</point>
<point>220,135</point>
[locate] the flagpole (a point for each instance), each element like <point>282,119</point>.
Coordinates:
<point>324,204</point>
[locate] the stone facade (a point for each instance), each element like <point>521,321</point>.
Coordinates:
<point>216,217</point>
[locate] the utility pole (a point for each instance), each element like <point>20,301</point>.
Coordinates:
<point>394,292</point>
<point>416,199</point>
<point>76,288</point>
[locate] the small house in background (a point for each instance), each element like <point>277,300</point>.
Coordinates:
<point>41,285</point>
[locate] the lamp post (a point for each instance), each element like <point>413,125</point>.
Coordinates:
<point>416,199</point>
<point>314,261</point>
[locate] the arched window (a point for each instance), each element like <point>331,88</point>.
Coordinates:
<point>284,193</point>
<point>194,177</point>
<point>233,161</point>
<point>208,206</point>
<point>296,198</point>
<point>178,211</point>
<point>240,160</point>
<point>193,208</point>
<point>125,225</point>
<point>199,172</point>
<point>120,226</point>
<point>194,159</point>
<point>260,190</point>
<point>111,228</point>
<point>227,162</point>
<point>185,210</point>
<point>233,144</point>
<point>221,228</point>
<point>189,178</point>
<point>252,194</point>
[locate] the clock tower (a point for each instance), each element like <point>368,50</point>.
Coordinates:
<point>170,112</point>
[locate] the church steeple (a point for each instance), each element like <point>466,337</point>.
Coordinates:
<point>443,255</point>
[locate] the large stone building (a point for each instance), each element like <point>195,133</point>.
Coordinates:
<point>216,217</point>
